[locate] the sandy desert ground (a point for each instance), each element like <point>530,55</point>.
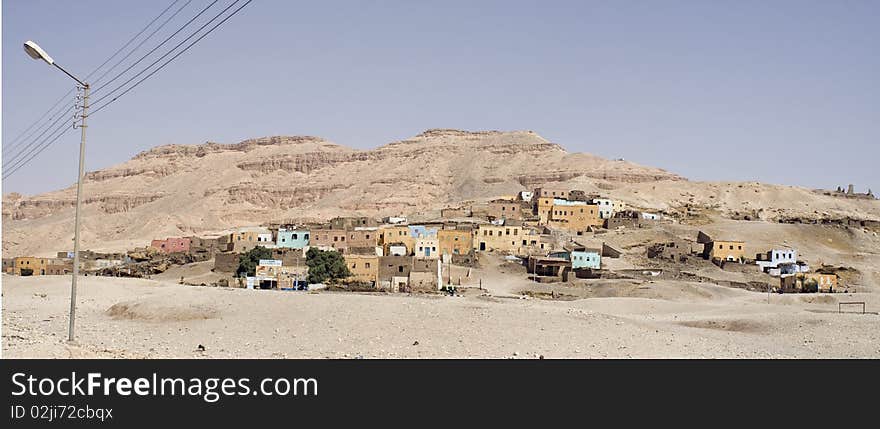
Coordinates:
<point>138,318</point>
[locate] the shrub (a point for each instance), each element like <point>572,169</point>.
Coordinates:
<point>247,262</point>
<point>325,265</point>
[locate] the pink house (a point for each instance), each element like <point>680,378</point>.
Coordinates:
<point>171,245</point>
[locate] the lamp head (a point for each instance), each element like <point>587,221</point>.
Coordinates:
<point>36,52</point>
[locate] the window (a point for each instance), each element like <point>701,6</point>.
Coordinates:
<point>335,238</point>
<point>739,247</point>
<point>400,268</point>
<point>731,247</point>
<point>354,265</point>
<point>507,231</point>
<point>306,237</point>
<point>515,231</point>
<point>293,236</point>
<point>366,265</point>
<point>720,247</point>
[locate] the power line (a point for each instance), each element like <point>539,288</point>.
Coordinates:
<point>150,36</point>
<point>10,160</point>
<point>132,40</point>
<point>9,171</point>
<point>50,142</point>
<point>16,141</point>
<point>12,143</point>
<point>157,47</point>
<point>99,108</point>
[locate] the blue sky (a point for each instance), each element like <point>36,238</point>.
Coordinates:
<point>775,91</point>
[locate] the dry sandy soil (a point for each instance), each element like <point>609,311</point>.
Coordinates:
<point>134,318</point>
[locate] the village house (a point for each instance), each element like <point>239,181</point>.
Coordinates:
<point>607,207</point>
<point>416,231</point>
<point>455,241</point>
<point>778,262</point>
<point>8,265</point>
<point>506,209</point>
<point>676,250</point>
<point>651,216</point>
<point>534,242</point>
<point>280,274</point>
<point>580,257</point>
<point>172,245</point>
<point>329,239</point>
<point>426,247</point>
<point>30,265</point>
<point>425,275</point>
<point>549,193</point>
<point>363,238</point>
<point>395,236</point>
<point>574,216</point>
<point>33,266</point>
<point>205,247</point>
<point>810,282</point>
<point>548,269</point>
<point>58,266</point>
<point>720,250</point>
<point>394,220</point>
<point>353,222</point>
<point>394,272</point>
<point>499,238</point>
<point>363,268</point>
<point>247,238</point>
<point>292,238</point>
<point>825,282</point>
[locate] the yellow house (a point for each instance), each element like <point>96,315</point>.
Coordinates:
<point>727,250</point>
<point>37,266</point>
<point>395,234</point>
<point>364,268</point>
<point>574,218</point>
<point>826,282</point>
<point>455,241</point>
<point>544,206</point>
<point>501,238</point>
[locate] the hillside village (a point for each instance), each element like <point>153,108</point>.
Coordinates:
<point>555,235</point>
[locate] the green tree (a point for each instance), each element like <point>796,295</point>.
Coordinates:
<point>325,265</point>
<point>247,261</point>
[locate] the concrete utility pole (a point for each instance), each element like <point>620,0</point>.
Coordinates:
<point>37,53</point>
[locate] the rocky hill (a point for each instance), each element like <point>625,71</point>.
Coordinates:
<point>193,189</point>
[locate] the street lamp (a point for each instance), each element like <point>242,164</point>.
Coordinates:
<point>37,53</point>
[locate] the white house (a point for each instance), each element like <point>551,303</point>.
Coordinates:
<point>778,262</point>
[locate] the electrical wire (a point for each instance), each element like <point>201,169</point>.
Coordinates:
<point>99,108</point>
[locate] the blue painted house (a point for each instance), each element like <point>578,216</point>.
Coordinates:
<point>587,258</point>
<point>417,231</point>
<point>292,238</point>
<point>581,257</point>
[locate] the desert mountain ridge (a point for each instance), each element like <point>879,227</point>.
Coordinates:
<point>178,189</point>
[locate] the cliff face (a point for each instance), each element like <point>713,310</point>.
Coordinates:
<point>185,189</point>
